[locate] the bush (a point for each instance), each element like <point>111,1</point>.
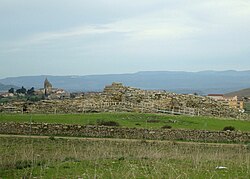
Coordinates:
<point>121,158</point>
<point>23,164</point>
<point>166,127</point>
<point>107,123</point>
<point>229,128</point>
<point>153,121</point>
<point>34,98</point>
<point>52,138</point>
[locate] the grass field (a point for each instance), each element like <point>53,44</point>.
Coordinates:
<point>137,120</point>
<point>75,158</point>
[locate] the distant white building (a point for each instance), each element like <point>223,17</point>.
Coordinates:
<point>6,94</point>
<point>232,102</point>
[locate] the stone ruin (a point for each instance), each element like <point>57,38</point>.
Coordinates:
<point>123,133</point>
<point>119,98</point>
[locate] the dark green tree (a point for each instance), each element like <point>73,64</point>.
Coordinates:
<point>11,90</point>
<point>31,91</point>
<point>21,90</point>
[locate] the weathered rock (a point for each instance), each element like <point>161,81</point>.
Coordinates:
<point>119,98</point>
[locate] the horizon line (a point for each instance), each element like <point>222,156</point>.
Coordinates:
<point>125,73</point>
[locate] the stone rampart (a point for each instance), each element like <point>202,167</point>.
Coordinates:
<point>125,133</point>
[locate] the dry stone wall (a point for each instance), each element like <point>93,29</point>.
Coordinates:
<point>119,98</point>
<point>126,133</point>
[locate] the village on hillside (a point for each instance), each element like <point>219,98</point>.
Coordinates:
<point>32,94</point>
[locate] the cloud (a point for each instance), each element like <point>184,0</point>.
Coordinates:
<point>138,28</point>
<point>169,22</point>
<point>108,35</point>
<point>75,32</point>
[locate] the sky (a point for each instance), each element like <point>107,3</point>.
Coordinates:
<point>83,37</point>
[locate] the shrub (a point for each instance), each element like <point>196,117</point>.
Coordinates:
<point>166,127</point>
<point>229,128</point>
<point>107,123</point>
<point>52,138</point>
<point>34,98</point>
<point>23,164</point>
<point>121,158</point>
<point>153,121</point>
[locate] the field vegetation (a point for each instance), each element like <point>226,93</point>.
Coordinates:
<point>81,158</point>
<point>16,98</point>
<point>132,120</point>
<point>247,107</point>
<point>58,157</point>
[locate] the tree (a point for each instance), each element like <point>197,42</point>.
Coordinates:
<point>31,91</point>
<point>11,90</point>
<point>21,90</point>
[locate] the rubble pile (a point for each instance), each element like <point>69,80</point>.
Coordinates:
<point>119,98</point>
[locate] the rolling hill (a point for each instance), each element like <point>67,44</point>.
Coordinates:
<point>4,88</point>
<point>240,93</point>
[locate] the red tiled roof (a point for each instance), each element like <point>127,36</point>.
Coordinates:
<point>215,95</point>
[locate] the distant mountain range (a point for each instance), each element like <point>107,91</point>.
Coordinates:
<point>6,87</point>
<point>203,82</point>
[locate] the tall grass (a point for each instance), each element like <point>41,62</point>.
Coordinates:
<point>62,158</point>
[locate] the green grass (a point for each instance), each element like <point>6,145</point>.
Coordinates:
<point>137,120</point>
<point>63,158</point>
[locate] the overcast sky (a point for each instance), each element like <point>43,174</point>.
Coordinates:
<point>79,37</point>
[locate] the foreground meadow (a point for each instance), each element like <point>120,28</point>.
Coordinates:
<point>86,158</point>
<point>132,120</point>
